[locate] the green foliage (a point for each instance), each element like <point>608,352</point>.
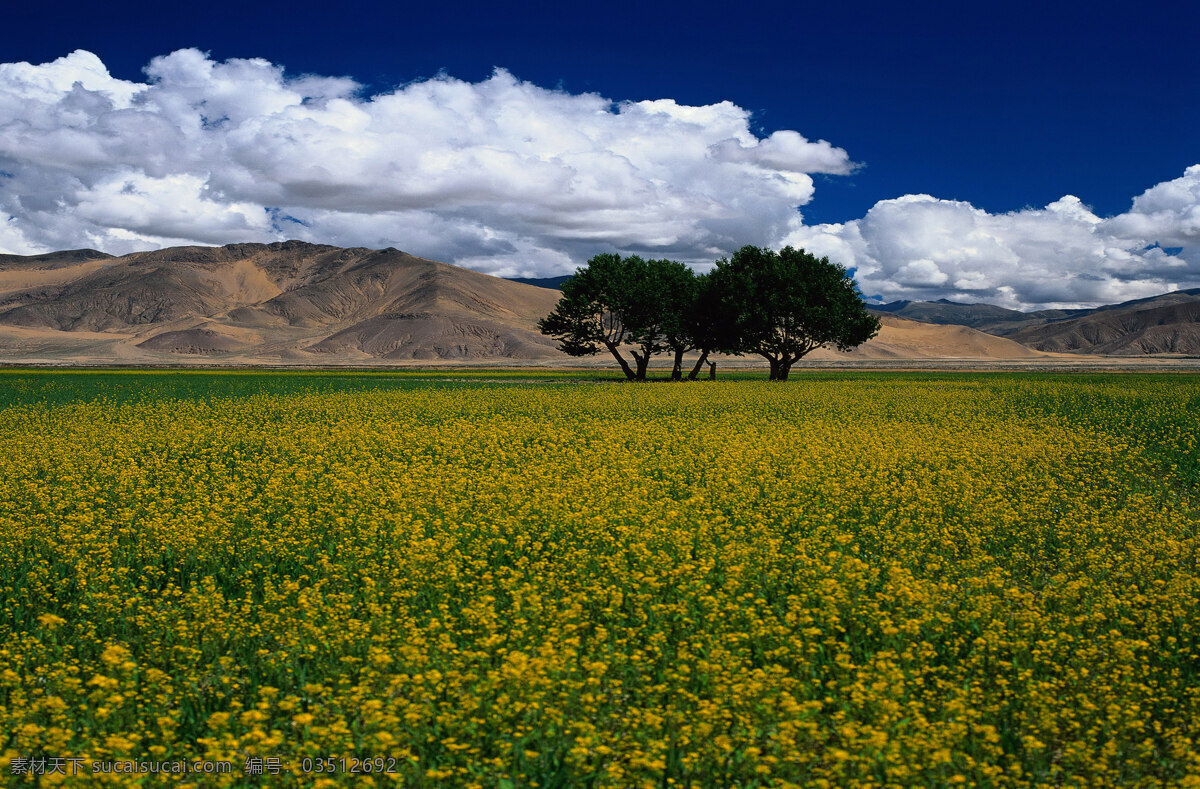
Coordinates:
<point>590,313</point>
<point>615,300</point>
<point>784,305</point>
<point>780,305</point>
<point>667,294</point>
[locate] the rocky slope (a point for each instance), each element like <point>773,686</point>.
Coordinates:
<point>284,301</point>
<point>1161,326</point>
<point>1164,324</point>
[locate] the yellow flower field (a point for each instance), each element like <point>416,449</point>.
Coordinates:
<point>845,580</point>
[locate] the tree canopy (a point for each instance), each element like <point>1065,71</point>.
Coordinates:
<point>779,305</point>
<point>609,303</point>
<point>784,305</point>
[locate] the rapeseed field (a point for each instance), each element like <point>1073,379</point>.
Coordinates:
<point>846,580</point>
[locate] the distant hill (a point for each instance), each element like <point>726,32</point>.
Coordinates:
<point>553,283</point>
<point>299,303</point>
<point>1161,324</point>
<point>285,301</point>
<point>977,315</point>
<point>948,312</point>
<point>1166,324</point>
<point>51,259</point>
<point>900,338</point>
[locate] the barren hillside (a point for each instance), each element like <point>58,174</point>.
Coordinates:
<point>300,303</point>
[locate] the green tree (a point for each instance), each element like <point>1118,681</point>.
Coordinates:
<point>672,289</point>
<point>784,305</point>
<point>609,303</point>
<point>703,318</point>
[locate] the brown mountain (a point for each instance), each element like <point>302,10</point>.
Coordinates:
<point>294,302</point>
<point>946,312</point>
<point>1164,324</point>
<point>900,338</point>
<point>283,301</point>
<point>1168,324</point>
<point>989,318</point>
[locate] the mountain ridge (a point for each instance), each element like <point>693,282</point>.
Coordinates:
<point>1168,323</point>
<point>295,302</point>
<point>288,299</point>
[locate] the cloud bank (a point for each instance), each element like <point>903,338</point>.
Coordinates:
<point>919,247</point>
<point>500,174</point>
<point>511,178</point>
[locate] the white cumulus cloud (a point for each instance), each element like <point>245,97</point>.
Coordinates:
<point>508,177</point>
<point>919,247</point>
<point>500,174</point>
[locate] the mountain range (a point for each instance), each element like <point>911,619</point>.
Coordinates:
<point>1164,324</point>
<point>299,303</point>
<point>288,301</point>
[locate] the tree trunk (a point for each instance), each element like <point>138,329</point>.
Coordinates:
<point>785,367</point>
<point>677,369</point>
<point>620,360</point>
<point>774,376</point>
<point>699,366</point>
<point>643,361</point>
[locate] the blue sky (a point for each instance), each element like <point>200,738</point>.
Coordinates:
<point>1003,107</point>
